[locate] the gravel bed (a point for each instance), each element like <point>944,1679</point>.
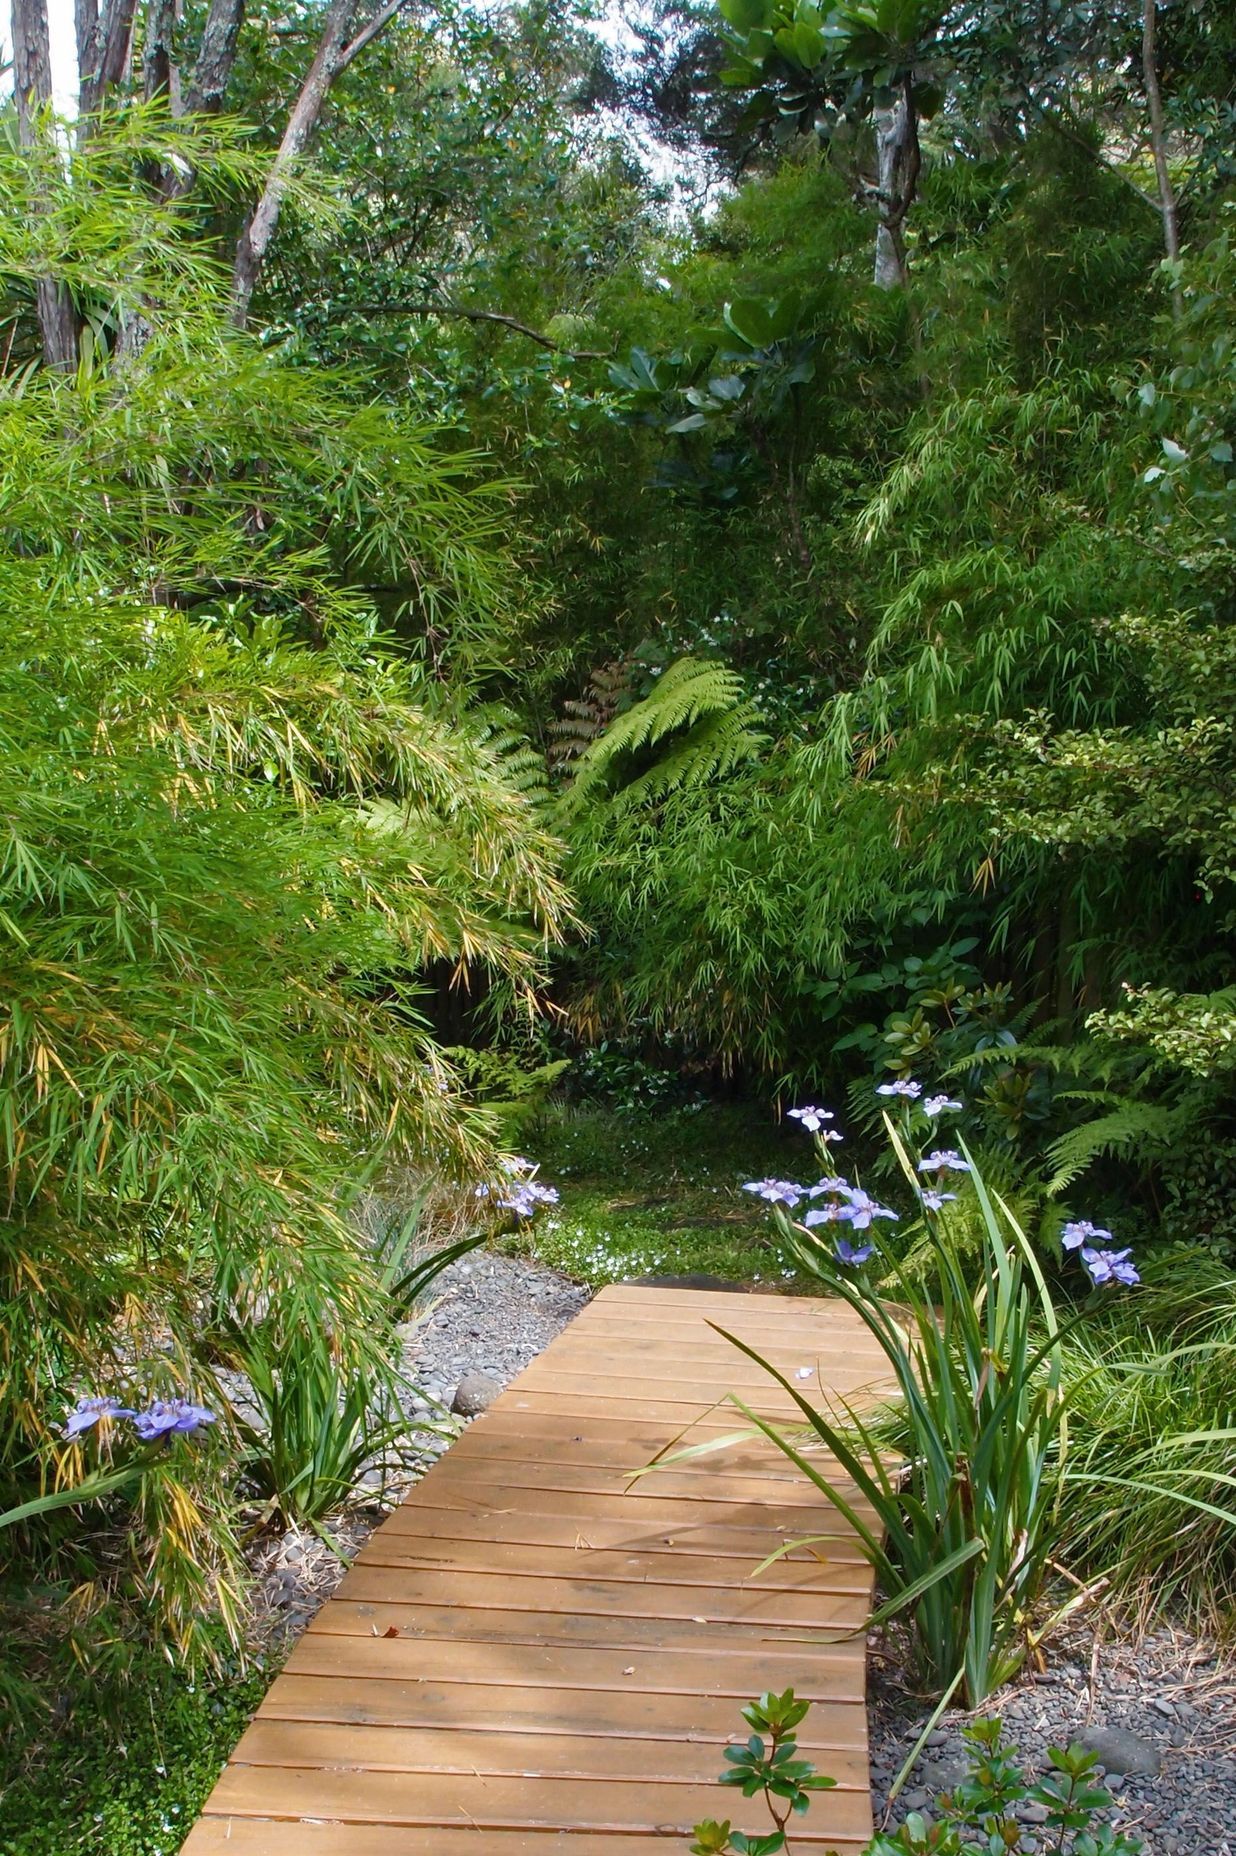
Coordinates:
<point>492,1316</point>
<point>1159,1712</point>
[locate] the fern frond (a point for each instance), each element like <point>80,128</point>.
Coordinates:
<point>700,709</point>
<point>1130,1125</point>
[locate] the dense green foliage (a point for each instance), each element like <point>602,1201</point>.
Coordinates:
<point>239,829</point>
<point>129,1768</point>
<point>502,594</point>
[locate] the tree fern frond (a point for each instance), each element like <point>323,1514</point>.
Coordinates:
<point>702,707</point>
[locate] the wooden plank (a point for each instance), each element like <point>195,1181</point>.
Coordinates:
<point>449,1529</point>
<point>266,1836</point>
<point>714,1302</point>
<point>482,1624</point>
<point>332,1745</point>
<point>477,1708</point>
<point>716,1352</point>
<point>628,1463</point>
<point>670,1566</point>
<point>589,1597</point>
<point>539,1653</point>
<point>713,1383</point>
<point>454,1801</point>
<point>519,1423</point>
<point>733,1447</point>
<point>698,1482</point>
<point>829,1672</point>
<point>626,1401</point>
<point>652,1509</point>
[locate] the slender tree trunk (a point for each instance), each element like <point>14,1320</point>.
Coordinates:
<point>1158,141</point>
<point>32,83</point>
<point>104,49</point>
<point>215,57</point>
<point>336,50</point>
<point>207,88</point>
<point>898,160</point>
<point>301,123</point>
<point>158,70</point>
<point>890,255</point>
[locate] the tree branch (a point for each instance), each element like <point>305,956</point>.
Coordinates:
<point>215,58</point>
<point>105,55</point>
<point>484,315</point>
<point>368,33</point>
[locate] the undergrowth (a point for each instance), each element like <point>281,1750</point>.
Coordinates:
<point>658,1193</point>
<point>121,1768</point>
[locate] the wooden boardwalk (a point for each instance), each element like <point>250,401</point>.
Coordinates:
<point>533,1655</point>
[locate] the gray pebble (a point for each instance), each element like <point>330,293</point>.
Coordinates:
<point>475,1392</point>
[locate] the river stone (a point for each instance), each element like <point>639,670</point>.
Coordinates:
<point>1118,1750</point>
<point>475,1393</point>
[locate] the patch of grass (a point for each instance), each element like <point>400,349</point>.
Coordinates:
<point>661,1193</point>
<point>1148,1490</point>
<point>127,1766</point>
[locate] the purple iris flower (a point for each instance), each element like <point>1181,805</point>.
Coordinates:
<point>862,1208</point>
<point>836,1184</point>
<point>903,1086</point>
<point>937,1105</point>
<point>936,1201</point>
<point>88,1411</point>
<point>775,1191</point>
<point>812,1119</point>
<point>853,1254</point>
<point>1081,1232</point>
<point>171,1416</point>
<point>944,1160</point>
<point>1110,1266</point>
<point>825,1214</point>
<point>524,1197</point>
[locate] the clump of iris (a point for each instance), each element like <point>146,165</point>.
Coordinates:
<point>1105,1267</point>
<point>851,1205</point>
<point>520,1191</point>
<point>847,1204</point>
<point>165,1417</point>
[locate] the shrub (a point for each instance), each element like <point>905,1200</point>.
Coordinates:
<point>238,824</point>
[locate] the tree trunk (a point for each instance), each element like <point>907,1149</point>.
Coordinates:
<point>890,256</point>
<point>32,84</point>
<point>216,55</point>
<point>158,70</point>
<point>335,52</point>
<point>897,166</point>
<point>1158,141</point>
<point>302,121</point>
<point>104,49</point>
<point>215,58</point>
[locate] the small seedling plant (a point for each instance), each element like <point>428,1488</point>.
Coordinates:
<point>768,1764</point>
<point>982,1816</point>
